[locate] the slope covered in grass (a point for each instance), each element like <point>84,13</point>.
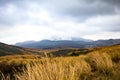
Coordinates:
<point>98,64</point>
<point>6,49</point>
<point>12,50</point>
<point>76,51</point>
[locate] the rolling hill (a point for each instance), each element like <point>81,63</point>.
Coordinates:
<point>6,49</point>
<point>114,49</point>
<point>12,50</point>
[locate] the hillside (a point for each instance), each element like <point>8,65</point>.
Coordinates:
<point>11,50</point>
<point>15,50</point>
<point>77,51</point>
<point>101,63</point>
<point>6,49</point>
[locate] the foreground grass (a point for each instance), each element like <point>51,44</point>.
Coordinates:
<point>94,66</point>
<point>103,64</point>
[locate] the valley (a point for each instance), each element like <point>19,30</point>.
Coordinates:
<point>99,63</point>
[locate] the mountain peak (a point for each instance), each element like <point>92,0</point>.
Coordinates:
<point>81,39</point>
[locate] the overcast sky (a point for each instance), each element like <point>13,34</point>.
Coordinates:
<point>22,20</point>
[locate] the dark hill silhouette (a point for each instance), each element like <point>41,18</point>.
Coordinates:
<point>11,50</point>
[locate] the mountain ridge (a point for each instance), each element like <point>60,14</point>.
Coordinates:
<point>48,44</point>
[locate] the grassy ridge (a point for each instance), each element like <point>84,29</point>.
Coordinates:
<point>115,49</point>
<point>97,64</point>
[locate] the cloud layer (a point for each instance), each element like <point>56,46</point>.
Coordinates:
<point>22,20</point>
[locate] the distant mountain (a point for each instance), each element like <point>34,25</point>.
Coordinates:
<point>81,39</point>
<point>48,44</point>
<point>74,43</point>
<point>29,47</point>
<point>26,42</point>
<point>106,42</point>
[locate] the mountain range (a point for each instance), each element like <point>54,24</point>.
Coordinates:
<point>74,43</point>
<point>40,47</point>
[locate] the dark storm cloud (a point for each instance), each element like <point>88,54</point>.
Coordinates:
<point>113,2</point>
<point>80,9</point>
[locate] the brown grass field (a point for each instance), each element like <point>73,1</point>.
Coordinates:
<point>100,64</point>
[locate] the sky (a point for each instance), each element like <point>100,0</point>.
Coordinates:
<point>24,20</point>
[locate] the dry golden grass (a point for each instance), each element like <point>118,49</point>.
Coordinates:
<point>69,68</point>
<point>63,68</point>
<point>55,69</point>
<point>103,64</point>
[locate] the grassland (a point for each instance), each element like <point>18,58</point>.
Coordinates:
<point>96,64</point>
